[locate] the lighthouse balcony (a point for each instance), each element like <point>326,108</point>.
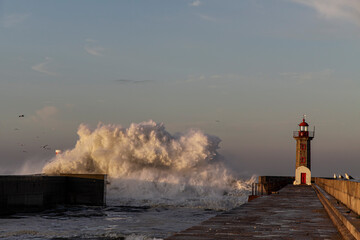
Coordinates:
<point>310,134</point>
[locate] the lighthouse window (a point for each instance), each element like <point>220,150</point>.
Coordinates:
<point>302,160</point>
<point>303,128</point>
<point>303,146</point>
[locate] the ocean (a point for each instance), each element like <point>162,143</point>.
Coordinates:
<point>158,184</point>
<point>144,219</point>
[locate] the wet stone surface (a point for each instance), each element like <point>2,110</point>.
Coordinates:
<point>294,213</point>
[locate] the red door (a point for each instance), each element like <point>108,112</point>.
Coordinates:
<point>303,178</point>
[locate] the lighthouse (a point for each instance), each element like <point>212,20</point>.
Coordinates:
<point>303,138</point>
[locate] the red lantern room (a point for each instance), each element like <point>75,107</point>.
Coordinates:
<point>303,129</point>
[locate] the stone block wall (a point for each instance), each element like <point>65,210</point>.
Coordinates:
<point>347,192</point>
<point>36,192</point>
<point>271,184</point>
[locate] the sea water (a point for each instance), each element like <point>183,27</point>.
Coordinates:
<point>145,219</point>
<point>157,184</point>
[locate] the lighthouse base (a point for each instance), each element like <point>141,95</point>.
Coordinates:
<point>302,176</point>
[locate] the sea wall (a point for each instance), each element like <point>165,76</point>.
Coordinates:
<point>269,184</point>
<point>32,192</point>
<point>345,191</point>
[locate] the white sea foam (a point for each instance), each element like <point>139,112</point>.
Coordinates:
<point>140,237</point>
<point>145,163</point>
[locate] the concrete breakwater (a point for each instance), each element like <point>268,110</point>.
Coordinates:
<point>285,211</point>
<point>269,184</point>
<point>347,192</point>
<point>294,213</point>
<point>36,192</point>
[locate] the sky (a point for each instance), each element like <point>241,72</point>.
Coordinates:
<point>244,71</point>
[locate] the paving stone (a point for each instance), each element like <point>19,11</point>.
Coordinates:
<point>294,213</point>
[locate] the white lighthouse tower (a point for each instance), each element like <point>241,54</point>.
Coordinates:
<point>303,154</point>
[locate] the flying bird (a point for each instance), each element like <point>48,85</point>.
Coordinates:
<point>22,115</point>
<point>46,147</point>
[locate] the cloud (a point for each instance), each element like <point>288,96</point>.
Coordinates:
<point>213,78</point>
<point>13,19</point>
<point>93,48</point>
<point>196,78</point>
<point>348,10</point>
<point>45,116</point>
<point>305,77</point>
<point>215,81</point>
<point>195,3</point>
<point>96,51</point>
<point>128,81</point>
<point>43,67</point>
<point>207,18</point>
<point>90,40</point>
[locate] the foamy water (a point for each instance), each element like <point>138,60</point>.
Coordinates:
<point>122,218</point>
<point>159,184</point>
<point>112,222</point>
<point>146,162</point>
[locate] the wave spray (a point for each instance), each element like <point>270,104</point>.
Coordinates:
<point>147,165</point>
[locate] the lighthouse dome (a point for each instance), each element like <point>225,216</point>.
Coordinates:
<point>303,124</point>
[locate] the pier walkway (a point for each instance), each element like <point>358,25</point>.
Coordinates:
<point>294,213</point>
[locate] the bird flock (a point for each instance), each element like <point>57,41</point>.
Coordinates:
<point>22,145</point>
<point>339,176</point>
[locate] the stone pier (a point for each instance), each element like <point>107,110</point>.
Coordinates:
<point>295,212</point>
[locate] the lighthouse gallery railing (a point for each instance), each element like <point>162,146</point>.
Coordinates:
<point>310,134</point>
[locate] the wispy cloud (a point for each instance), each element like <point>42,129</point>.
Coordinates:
<point>93,48</point>
<point>348,10</point>
<point>207,18</point>
<point>306,77</point>
<point>213,78</point>
<point>45,115</point>
<point>12,20</point>
<point>129,81</point>
<point>43,67</point>
<point>195,3</point>
<point>196,78</point>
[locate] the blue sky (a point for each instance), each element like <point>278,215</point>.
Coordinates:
<point>245,71</point>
